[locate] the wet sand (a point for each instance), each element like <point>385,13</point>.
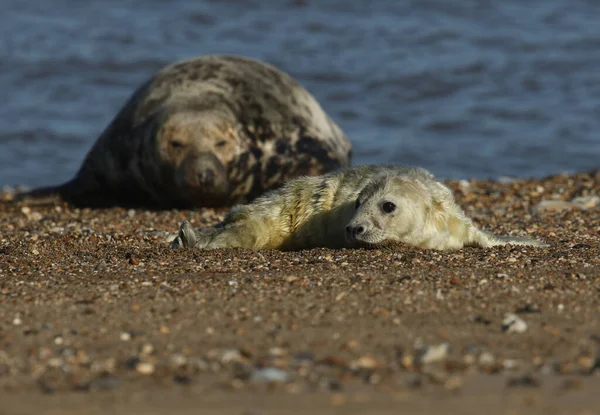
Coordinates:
<point>98,314</point>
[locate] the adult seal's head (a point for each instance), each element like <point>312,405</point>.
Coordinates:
<point>192,149</point>
<point>209,131</point>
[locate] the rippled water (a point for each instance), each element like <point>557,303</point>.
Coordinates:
<point>465,88</point>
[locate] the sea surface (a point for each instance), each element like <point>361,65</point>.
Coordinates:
<point>468,88</point>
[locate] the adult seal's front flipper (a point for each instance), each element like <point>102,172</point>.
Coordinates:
<point>51,195</point>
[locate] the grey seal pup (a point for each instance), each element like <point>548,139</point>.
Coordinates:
<point>367,205</point>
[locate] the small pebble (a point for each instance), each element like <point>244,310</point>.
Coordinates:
<point>277,352</point>
<point>506,179</point>
<point>364,362</point>
<point>486,359</point>
<point>305,356</point>
<point>178,360</point>
<point>512,323</point>
<point>435,353</point>
<point>464,184</point>
<point>510,364</point>
<point>55,362</point>
<point>269,375</point>
<point>147,349</point>
<point>227,356</point>
<point>145,368</point>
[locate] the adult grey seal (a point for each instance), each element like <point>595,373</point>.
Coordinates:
<point>360,206</point>
<point>209,131</point>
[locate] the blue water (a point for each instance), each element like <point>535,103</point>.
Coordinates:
<point>465,88</point>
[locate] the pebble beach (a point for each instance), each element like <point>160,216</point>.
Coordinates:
<point>98,314</point>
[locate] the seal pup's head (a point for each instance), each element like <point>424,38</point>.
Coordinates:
<point>390,208</point>
<point>195,148</point>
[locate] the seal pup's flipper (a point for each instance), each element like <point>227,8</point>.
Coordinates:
<point>487,240</point>
<point>186,237</point>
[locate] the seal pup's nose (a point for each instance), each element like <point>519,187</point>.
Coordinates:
<point>348,231</point>
<point>354,231</point>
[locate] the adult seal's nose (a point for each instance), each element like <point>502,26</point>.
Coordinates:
<point>203,180</point>
<point>206,176</point>
<point>209,173</point>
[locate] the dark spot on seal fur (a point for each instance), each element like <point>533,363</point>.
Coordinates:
<point>304,164</point>
<point>256,152</point>
<point>273,167</point>
<point>257,187</point>
<point>312,146</point>
<point>321,189</point>
<point>282,147</point>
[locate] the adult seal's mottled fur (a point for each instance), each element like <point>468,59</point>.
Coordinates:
<point>360,206</point>
<point>210,131</point>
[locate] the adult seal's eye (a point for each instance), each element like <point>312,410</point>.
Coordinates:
<point>388,207</point>
<point>356,204</point>
<point>176,144</point>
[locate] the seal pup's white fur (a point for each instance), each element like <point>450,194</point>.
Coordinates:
<point>359,206</point>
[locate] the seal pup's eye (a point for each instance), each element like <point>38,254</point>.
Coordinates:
<point>388,207</point>
<point>357,204</point>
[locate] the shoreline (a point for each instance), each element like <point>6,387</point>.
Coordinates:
<point>7,190</point>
